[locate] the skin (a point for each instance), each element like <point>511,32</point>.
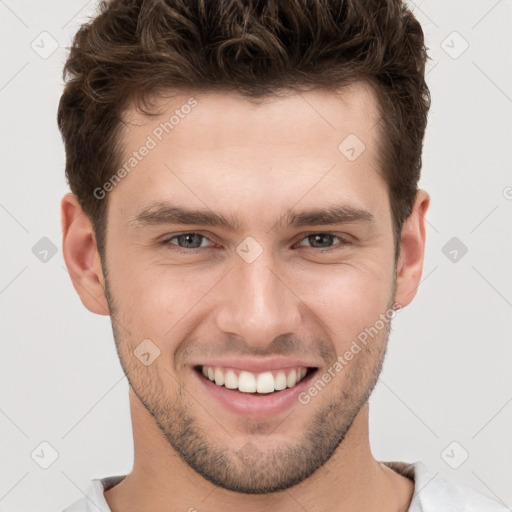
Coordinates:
<point>258,161</point>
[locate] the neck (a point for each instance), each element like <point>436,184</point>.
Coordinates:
<point>350,480</point>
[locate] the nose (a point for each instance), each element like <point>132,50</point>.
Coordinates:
<point>258,303</point>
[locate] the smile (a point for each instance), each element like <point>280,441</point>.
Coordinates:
<point>250,382</point>
<point>254,394</point>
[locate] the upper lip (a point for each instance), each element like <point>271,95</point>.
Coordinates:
<point>257,365</point>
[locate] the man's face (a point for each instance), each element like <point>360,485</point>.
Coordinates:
<point>271,288</point>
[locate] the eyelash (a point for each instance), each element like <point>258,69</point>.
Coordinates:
<point>177,248</point>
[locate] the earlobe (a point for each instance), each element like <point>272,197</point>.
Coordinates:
<point>412,251</point>
<point>81,256</point>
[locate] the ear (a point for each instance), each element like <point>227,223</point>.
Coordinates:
<point>412,250</point>
<point>81,256</point>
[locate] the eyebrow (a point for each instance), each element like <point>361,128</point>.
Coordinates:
<point>163,213</point>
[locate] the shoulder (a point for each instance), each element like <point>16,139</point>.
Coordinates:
<point>94,498</point>
<point>431,492</point>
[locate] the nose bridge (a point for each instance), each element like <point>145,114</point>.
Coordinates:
<point>258,304</point>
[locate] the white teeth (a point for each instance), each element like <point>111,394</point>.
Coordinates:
<point>265,383</point>
<point>248,382</point>
<point>219,377</point>
<point>280,381</point>
<point>231,381</point>
<point>291,380</point>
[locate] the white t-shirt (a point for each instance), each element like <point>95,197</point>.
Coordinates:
<point>431,493</point>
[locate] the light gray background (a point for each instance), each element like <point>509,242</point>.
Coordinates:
<point>447,373</point>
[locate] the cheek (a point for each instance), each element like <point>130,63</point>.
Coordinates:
<point>154,298</point>
<point>349,299</point>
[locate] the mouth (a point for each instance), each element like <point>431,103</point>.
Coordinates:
<point>255,394</point>
<point>255,383</point>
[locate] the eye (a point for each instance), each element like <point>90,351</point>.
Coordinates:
<point>189,242</point>
<point>324,241</point>
<point>186,241</point>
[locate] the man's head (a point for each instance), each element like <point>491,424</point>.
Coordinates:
<point>261,221</point>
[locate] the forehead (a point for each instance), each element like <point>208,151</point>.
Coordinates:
<point>267,149</point>
<point>217,118</point>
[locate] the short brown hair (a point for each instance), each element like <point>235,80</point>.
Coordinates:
<point>134,49</point>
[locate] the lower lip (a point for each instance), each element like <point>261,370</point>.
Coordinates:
<point>256,405</point>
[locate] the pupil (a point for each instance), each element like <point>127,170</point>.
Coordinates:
<point>186,238</point>
<point>319,237</point>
